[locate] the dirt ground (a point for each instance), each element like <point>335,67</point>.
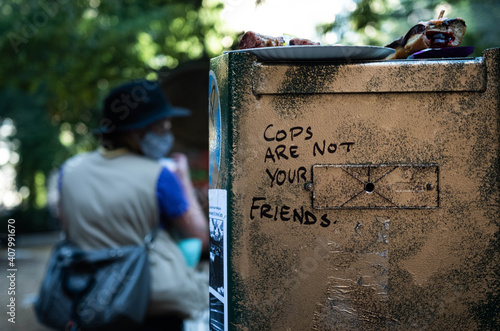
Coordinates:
<point>31,255</point>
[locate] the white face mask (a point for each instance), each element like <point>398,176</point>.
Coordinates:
<point>156,146</point>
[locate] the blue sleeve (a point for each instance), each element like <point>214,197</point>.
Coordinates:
<point>171,198</point>
<point>60,178</point>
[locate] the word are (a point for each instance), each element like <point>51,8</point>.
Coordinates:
<point>262,210</point>
<point>281,152</point>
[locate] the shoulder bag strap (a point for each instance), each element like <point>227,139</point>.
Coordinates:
<point>151,236</point>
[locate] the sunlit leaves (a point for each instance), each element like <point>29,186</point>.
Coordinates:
<point>61,57</point>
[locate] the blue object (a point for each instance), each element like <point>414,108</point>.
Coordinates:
<point>191,249</point>
<point>171,198</point>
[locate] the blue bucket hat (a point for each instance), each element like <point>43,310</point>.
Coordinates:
<point>135,105</point>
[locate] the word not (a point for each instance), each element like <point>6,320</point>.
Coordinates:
<point>11,253</point>
<point>285,213</point>
<point>332,148</point>
<point>280,176</point>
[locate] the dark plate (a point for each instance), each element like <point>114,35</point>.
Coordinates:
<point>430,53</point>
<point>318,52</point>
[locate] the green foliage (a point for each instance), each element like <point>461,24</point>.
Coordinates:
<point>36,141</point>
<point>76,46</point>
<point>61,57</point>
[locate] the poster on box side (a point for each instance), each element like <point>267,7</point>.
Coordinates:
<point>218,259</point>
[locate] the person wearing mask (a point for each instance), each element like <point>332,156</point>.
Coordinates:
<point>118,194</point>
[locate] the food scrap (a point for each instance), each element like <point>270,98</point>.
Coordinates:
<point>254,40</point>
<point>302,41</point>
<point>436,33</point>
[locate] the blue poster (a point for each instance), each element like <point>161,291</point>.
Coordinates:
<point>214,131</point>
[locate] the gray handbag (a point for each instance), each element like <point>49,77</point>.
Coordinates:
<point>105,289</point>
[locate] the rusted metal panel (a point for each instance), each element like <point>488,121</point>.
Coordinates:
<point>399,76</point>
<point>292,266</point>
<point>375,186</point>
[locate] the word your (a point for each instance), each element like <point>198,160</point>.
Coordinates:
<point>280,176</point>
<point>262,210</point>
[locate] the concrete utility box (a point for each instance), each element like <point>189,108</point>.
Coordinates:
<point>355,196</point>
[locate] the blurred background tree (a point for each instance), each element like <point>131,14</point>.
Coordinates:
<point>61,57</point>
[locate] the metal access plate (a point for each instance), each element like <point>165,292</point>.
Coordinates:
<point>375,186</point>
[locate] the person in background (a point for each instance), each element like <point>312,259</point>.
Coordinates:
<point>116,195</point>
